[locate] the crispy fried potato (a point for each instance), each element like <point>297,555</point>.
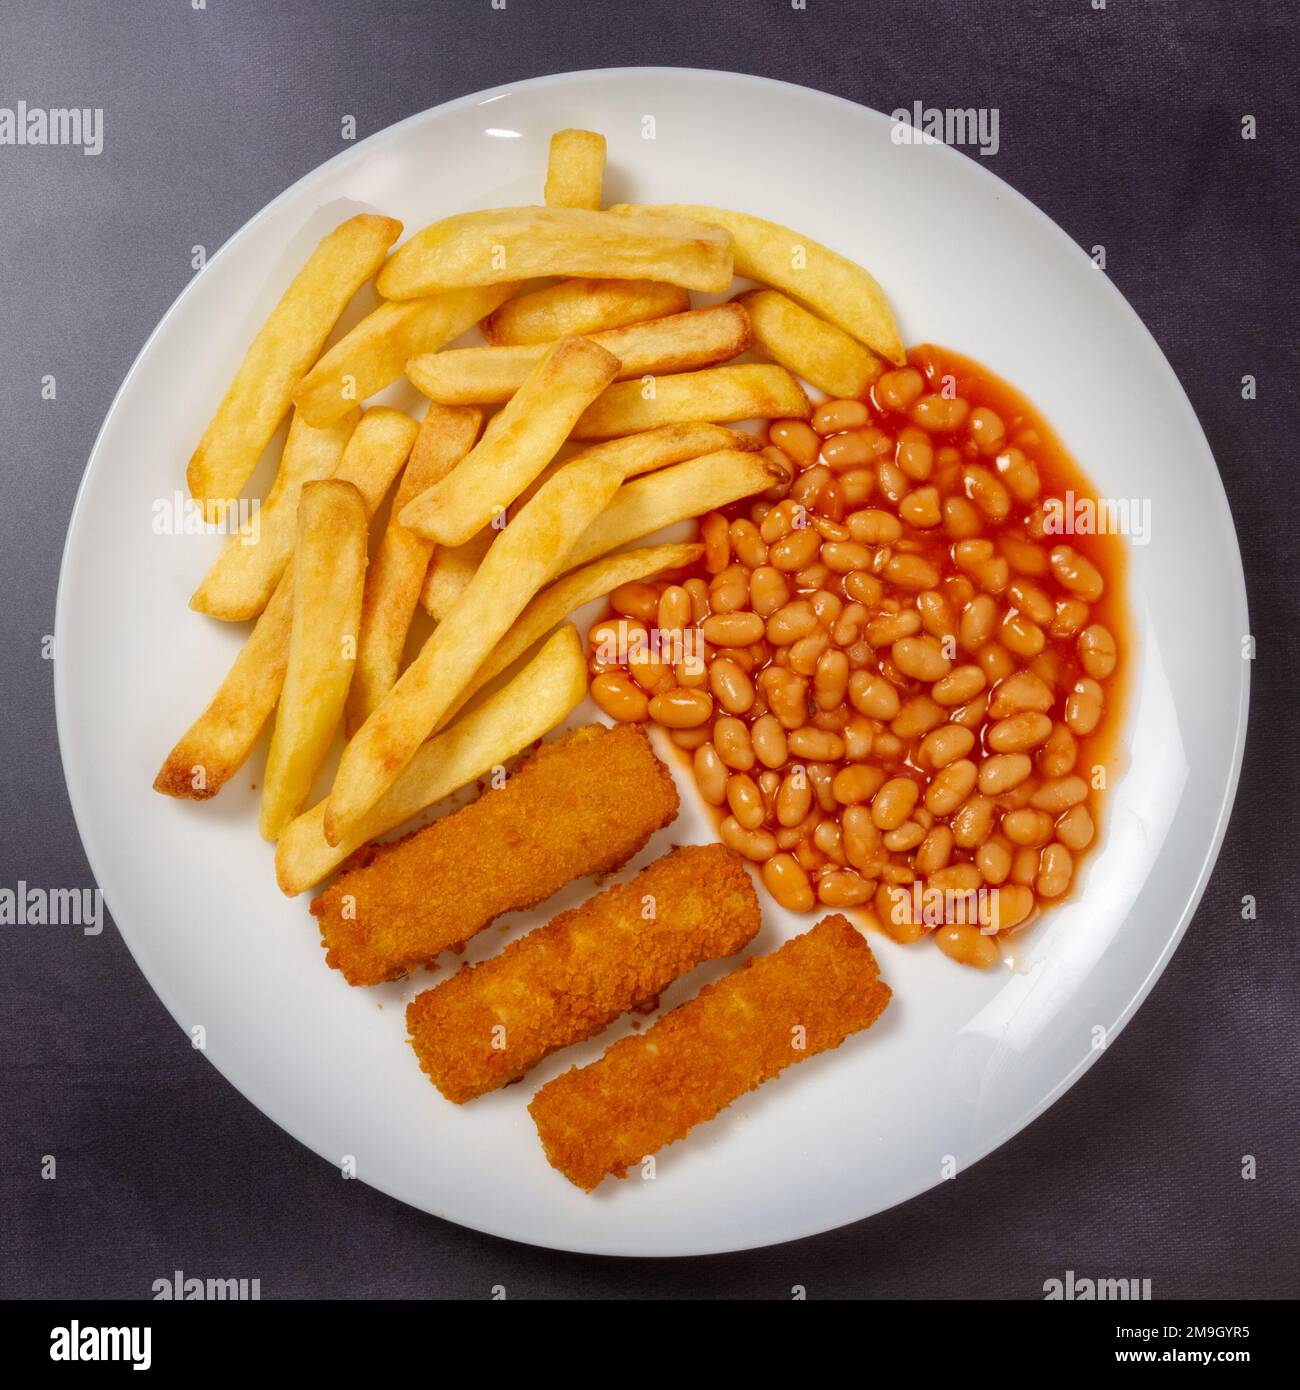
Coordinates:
<point>518,443</point>
<point>749,391</point>
<point>810,347</point>
<point>396,574</point>
<point>485,375</point>
<point>580,308</point>
<point>285,347</point>
<point>541,696</point>
<point>829,284</point>
<point>565,596</point>
<point>374,354</point>
<point>243,577</point>
<point>215,746</point>
<point>486,248</point>
<point>329,574</point>
<point>656,448</point>
<point>575,170</point>
<point>673,494</point>
<point>450,570</point>
<point>521,559</point>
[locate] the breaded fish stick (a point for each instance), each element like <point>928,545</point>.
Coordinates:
<point>584,804</point>
<point>650,1088</point>
<point>491,1023</point>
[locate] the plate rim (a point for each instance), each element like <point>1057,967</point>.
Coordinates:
<point>1219,501</point>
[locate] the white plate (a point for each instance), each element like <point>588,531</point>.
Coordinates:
<point>962,1060</point>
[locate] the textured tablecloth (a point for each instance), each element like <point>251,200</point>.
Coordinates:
<point>1124,125</point>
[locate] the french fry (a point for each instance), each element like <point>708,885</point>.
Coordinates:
<point>374,354</point>
<point>829,284</point>
<point>285,347</point>
<point>672,494</point>
<point>575,169</point>
<point>518,443</point>
<point>746,392</point>
<point>565,596</point>
<point>396,574</point>
<point>243,576</point>
<point>450,570</point>
<point>486,248</point>
<point>521,559</point>
<point>485,375</point>
<point>576,308</point>
<point>329,573</point>
<point>810,347</point>
<point>216,745</point>
<point>541,696</point>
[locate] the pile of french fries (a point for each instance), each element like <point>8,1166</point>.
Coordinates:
<point>611,402</point>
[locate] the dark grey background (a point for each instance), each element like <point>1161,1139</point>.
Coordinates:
<point>1121,124</point>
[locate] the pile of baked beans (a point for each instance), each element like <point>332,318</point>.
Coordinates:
<point>903,675</point>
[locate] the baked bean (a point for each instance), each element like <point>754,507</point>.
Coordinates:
<point>1083,706</point>
<point>920,508</point>
<point>674,609</point>
<point>984,489</point>
<point>795,550</point>
<point>794,798</point>
<point>970,715</point>
<point>1027,827</point>
<point>961,518</point>
<point>1018,733</point>
<point>978,620</point>
<point>831,417</point>
<point>681,709</point>
<point>939,414</point>
<point>699,592</point>
<point>1019,473</point>
<point>731,686</point>
<point>780,521</point>
<point>797,440</point>
<point>863,588</point>
<point>951,786</point>
<point>936,614</point>
<point>787,882</point>
<point>893,803</point>
<point>915,453</point>
<point>1077,573</point>
<point>1024,866</point>
<point>917,716</point>
<point>729,590</point>
<point>637,600</point>
<point>790,623</point>
<point>789,836</point>
<point>911,572</point>
<point>850,449</point>
<point>840,557</point>
<point>1055,870</point>
<point>972,822</point>
<point>768,590</point>
<point>906,837</point>
<point>831,679</point>
<point>756,845</point>
<point>857,484</point>
<point>620,698</point>
<point>894,483</point>
<point>1059,754</point>
<point>814,576</point>
<point>710,774</point>
<point>946,744</point>
<point>769,741</point>
<point>935,850</point>
<point>873,696</point>
<point>747,543</point>
<point>961,684</point>
<point>808,651</point>
<point>1075,829</point>
<point>1059,794</point>
<point>921,658</point>
<point>967,945</point>
<point>819,744</point>
<point>898,389</point>
<point>1019,693</point>
<point>1097,651</point>
<point>1012,905</point>
<point>986,430</point>
<point>1071,617</point>
<point>745,800</point>
<point>735,628</point>
<point>843,888</point>
<point>993,860</point>
<point>893,906</point>
<point>882,632</point>
<point>1022,635</point>
<point>731,739</point>
<point>1023,557</point>
<point>1003,771</point>
<point>715,533</point>
<point>786,695</point>
<point>872,526</point>
<point>690,739</point>
<point>996,662</point>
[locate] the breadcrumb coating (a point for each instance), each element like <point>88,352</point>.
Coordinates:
<point>649,1089</point>
<point>491,1023</point>
<point>584,804</point>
